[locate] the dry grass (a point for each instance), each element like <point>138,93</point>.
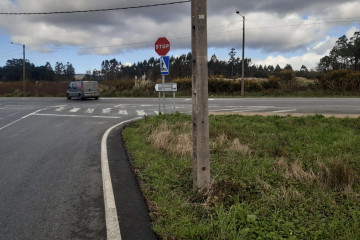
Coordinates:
<point>223,142</point>
<point>236,146</point>
<point>338,175</point>
<point>165,139</point>
<point>177,140</point>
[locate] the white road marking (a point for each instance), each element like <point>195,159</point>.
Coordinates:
<point>74,110</point>
<point>140,112</point>
<point>20,119</point>
<point>58,106</point>
<point>90,110</point>
<point>123,112</point>
<point>69,115</point>
<point>59,109</point>
<point>112,222</point>
<point>282,111</point>
<point>106,110</point>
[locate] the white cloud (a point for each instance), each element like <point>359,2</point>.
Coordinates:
<point>310,58</point>
<point>274,27</point>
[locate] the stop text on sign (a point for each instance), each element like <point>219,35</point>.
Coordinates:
<point>162,46</point>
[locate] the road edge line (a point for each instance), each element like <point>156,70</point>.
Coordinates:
<point>112,222</point>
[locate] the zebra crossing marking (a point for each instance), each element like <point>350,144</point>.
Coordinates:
<point>106,110</point>
<point>90,110</point>
<point>74,110</point>
<point>140,112</point>
<point>123,112</point>
<point>59,109</point>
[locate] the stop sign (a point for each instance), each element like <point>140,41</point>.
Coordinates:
<point>162,46</point>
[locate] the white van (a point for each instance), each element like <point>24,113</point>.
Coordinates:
<point>83,89</point>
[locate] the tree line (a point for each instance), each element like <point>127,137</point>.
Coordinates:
<point>13,71</point>
<point>181,67</point>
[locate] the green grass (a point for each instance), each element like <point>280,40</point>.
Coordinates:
<point>272,177</point>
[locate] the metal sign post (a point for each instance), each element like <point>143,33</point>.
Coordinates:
<point>164,69</point>
<point>162,47</point>
<point>166,87</point>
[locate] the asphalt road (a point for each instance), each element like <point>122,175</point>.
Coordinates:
<point>50,172</point>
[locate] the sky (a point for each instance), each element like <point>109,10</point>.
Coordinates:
<point>296,32</point>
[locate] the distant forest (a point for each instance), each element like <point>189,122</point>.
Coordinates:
<point>13,71</point>
<point>344,55</point>
<point>180,67</point>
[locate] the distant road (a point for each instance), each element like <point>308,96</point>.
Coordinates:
<point>50,174</point>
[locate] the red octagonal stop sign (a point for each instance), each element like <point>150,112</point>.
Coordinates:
<point>162,46</point>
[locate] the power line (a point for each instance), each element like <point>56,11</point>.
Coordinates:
<point>304,24</point>
<point>94,10</point>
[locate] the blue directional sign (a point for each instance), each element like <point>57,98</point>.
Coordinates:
<point>164,65</point>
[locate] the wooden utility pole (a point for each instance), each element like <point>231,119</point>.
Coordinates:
<point>200,111</point>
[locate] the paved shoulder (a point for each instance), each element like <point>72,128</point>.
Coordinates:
<point>131,206</point>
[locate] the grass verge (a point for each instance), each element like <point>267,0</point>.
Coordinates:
<point>272,177</point>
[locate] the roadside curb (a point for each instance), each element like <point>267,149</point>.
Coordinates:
<point>132,212</point>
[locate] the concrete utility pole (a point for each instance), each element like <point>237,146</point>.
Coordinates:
<point>200,111</point>
<point>243,58</point>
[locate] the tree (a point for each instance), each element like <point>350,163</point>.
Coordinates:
<point>344,55</point>
<point>232,54</point>
<point>69,72</point>
<point>354,49</point>
<point>288,67</point>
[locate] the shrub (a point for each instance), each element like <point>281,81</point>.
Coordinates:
<point>287,76</point>
<point>253,86</point>
<point>339,80</point>
<point>271,83</point>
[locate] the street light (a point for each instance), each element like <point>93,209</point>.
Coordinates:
<point>24,82</point>
<point>243,54</point>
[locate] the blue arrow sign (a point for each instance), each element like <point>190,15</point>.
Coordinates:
<point>164,65</point>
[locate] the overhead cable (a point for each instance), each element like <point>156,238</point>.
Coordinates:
<point>93,10</point>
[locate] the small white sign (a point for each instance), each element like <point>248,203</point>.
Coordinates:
<point>166,87</point>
